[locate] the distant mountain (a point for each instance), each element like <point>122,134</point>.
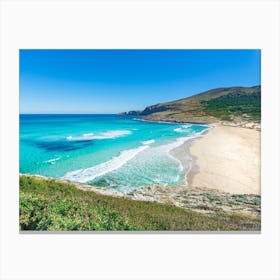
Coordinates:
<point>220,104</point>
<point>137,112</point>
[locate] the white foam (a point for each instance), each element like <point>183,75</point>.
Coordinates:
<point>89,174</point>
<point>151,121</point>
<point>87,134</point>
<point>183,128</point>
<point>179,142</point>
<point>148,142</point>
<point>103,135</point>
<point>52,160</point>
<point>178,129</point>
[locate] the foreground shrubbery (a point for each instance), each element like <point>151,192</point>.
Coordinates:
<point>56,206</point>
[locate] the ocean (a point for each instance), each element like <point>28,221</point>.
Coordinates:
<point>109,151</point>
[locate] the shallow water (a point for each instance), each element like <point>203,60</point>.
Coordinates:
<point>109,151</point>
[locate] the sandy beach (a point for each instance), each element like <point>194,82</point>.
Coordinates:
<point>227,159</point>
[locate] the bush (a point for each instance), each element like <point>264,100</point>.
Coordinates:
<point>56,206</point>
<point>235,104</point>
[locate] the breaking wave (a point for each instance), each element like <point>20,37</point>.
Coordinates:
<point>52,161</point>
<point>89,174</point>
<point>148,142</point>
<point>103,135</point>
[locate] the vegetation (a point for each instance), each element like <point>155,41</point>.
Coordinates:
<point>47,204</point>
<point>238,104</point>
<point>229,103</point>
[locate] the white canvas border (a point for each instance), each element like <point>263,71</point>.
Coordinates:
<point>140,24</point>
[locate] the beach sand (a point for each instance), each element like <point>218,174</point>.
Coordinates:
<point>227,159</point>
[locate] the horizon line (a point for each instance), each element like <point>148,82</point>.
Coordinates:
<point>119,113</point>
<point>69,113</point>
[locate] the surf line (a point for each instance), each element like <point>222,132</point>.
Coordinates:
<point>89,174</point>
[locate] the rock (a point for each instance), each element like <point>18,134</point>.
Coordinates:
<point>201,200</point>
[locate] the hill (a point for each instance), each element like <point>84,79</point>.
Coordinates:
<point>237,104</point>
<point>54,205</point>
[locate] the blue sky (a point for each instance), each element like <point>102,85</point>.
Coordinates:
<point>112,81</point>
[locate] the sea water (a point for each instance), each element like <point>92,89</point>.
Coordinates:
<point>110,151</point>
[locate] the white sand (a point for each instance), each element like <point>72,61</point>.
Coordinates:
<point>228,159</point>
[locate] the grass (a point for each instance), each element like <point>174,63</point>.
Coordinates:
<point>57,206</point>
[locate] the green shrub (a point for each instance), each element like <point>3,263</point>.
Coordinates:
<point>235,104</point>
<point>55,206</point>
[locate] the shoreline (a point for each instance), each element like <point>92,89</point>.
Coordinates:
<point>206,190</point>
<point>174,122</point>
<point>194,168</point>
<point>182,153</point>
<point>191,159</point>
<point>245,177</point>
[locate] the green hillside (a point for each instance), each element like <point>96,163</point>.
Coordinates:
<point>246,105</point>
<point>47,204</point>
<point>242,103</point>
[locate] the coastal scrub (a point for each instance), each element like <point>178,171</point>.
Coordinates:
<point>50,205</point>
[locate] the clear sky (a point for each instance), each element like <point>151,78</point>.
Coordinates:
<point>112,81</point>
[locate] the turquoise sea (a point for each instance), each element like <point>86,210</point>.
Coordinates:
<point>111,151</point>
